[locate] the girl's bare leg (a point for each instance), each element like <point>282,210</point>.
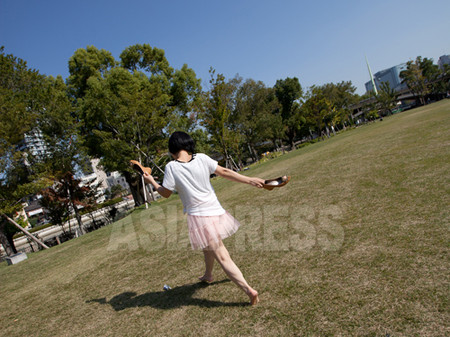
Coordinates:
<point>233,272</point>
<point>209,264</point>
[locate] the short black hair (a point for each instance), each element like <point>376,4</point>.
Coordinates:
<point>180,140</point>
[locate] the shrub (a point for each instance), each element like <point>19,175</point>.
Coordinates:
<point>34,229</point>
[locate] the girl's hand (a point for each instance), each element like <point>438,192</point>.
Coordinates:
<point>148,178</point>
<point>257,182</point>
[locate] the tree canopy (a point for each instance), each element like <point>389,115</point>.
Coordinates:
<point>127,108</point>
<point>289,92</point>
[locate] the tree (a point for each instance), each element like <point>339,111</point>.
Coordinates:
<point>341,96</point>
<point>68,195</point>
<point>186,99</point>
<point>127,110</point>
<point>57,207</point>
<point>289,92</point>
<point>219,103</point>
<point>125,115</point>
<point>255,113</point>
<point>64,155</point>
<point>201,139</point>
<point>85,64</point>
<point>431,73</point>
<point>386,98</point>
<point>445,79</point>
<point>418,76</point>
<point>20,101</point>
<point>116,191</point>
<point>318,110</point>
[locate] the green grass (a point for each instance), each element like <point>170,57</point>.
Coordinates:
<point>355,245</point>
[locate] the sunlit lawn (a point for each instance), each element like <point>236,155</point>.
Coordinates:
<point>356,244</point>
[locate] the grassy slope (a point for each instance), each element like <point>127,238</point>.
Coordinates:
<point>356,244</point>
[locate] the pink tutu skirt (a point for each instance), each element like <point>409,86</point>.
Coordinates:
<point>207,230</point>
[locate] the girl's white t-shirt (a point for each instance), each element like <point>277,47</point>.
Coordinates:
<point>191,181</point>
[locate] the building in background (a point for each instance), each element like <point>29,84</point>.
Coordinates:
<point>33,141</point>
<point>391,76</point>
<point>444,59</point>
<point>104,180</point>
<point>115,178</point>
<point>33,213</point>
<point>99,174</point>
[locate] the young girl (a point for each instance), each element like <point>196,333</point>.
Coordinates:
<point>208,223</point>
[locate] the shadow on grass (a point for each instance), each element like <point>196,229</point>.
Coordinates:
<point>170,299</point>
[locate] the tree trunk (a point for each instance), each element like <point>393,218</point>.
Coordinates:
<point>9,248</point>
<point>10,238</point>
<point>422,100</point>
<point>92,216</point>
<point>227,160</point>
<point>135,187</point>
<point>280,142</point>
<point>254,153</point>
<point>78,217</point>
<point>251,151</point>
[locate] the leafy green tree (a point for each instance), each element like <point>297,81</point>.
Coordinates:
<point>254,114</point>
<point>418,76</point>
<point>128,110</point>
<point>341,96</point>
<point>151,60</point>
<point>20,102</point>
<point>432,73</point>
<point>182,84</point>
<point>289,92</point>
<point>386,98</point>
<point>445,79</point>
<point>277,131</point>
<point>66,195</point>
<point>216,116</point>
<point>201,139</point>
<point>318,110</point>
<point>64,154</point>
<point>85,64</point>
<point>186,99</point>
<point>57,207</point>
<point>116,191</point>
<point>45,111</point>
<point>125,115</point>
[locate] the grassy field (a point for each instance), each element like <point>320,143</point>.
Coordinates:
<point>357,244</point>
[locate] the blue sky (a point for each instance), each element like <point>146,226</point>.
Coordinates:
<point>317,41</point>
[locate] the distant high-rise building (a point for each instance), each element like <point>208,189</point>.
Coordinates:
<point>34,142</point>
<point>444,59</point>
<point>391,76</point>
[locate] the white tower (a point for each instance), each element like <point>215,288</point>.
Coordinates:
<point>371,78</point>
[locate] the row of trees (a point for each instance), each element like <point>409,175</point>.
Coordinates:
<point>425,78</point>
<point>117,110</point>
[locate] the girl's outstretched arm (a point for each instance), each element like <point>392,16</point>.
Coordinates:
<point>234,176</point>
<point>159,188</point>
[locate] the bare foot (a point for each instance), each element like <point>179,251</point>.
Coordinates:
<point>206,279</point>
<point>253,295</point>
